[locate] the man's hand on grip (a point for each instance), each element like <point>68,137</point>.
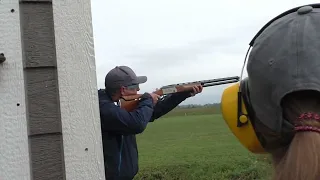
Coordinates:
<point>155,97</point>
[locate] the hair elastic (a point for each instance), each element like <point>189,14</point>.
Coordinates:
<point>309,115</point>
<point>307,128</point>
<point>304,117</point>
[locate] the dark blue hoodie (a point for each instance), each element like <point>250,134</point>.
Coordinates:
<point>119,128</point>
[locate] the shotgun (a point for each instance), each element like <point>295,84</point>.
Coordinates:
<point>129,103</point>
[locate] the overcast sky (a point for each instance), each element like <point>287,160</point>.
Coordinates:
<point>174,41</point>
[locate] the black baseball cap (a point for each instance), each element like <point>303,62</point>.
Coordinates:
<point>123,76</point>
<point>284,59</point>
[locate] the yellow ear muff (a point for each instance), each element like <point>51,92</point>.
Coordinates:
<point>245,133</point>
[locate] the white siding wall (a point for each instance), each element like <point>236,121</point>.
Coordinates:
<point>14,153</point>
<point>78,90</point>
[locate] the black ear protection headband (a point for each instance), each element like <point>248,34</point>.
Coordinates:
<point>235,102</point>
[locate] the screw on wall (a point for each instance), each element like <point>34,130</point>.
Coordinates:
<point>2,58</point>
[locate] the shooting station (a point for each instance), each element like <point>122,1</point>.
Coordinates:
<point>50,128</point>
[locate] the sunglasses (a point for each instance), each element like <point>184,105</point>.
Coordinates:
<point>133,86</point>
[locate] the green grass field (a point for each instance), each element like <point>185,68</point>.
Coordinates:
<point>196,146</point>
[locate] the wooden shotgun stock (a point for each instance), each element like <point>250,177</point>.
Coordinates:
<point>129,103</point>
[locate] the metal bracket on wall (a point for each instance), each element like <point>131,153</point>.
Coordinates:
<point>2,58</point>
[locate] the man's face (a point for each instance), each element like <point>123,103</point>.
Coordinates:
<point>130,90</point>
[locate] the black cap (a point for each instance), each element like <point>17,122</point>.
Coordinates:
<point>284,59</point>
<point>123,76</point>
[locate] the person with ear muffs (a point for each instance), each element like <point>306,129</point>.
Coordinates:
<point>276,109</point>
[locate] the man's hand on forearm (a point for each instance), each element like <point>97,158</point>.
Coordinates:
<point>196,90</point>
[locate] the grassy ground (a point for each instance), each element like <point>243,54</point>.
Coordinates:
<point>196,147</point>
<point>193,111</point>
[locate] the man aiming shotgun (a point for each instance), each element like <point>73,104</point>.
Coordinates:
<point>130,102</point>
<point>120,125</point>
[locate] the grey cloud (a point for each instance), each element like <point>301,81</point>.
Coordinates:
<point>180,56</point>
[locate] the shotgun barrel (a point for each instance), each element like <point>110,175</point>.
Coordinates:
<point>210,82</point>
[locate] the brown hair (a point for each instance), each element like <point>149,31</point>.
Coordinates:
<point>301,159</point>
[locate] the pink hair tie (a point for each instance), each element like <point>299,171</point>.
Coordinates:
<point>305,117</point>
<point>307,128</point>
<point>309,115</point>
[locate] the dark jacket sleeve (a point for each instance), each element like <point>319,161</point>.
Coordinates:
<point>168,103</point>
<point>117,120</point>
